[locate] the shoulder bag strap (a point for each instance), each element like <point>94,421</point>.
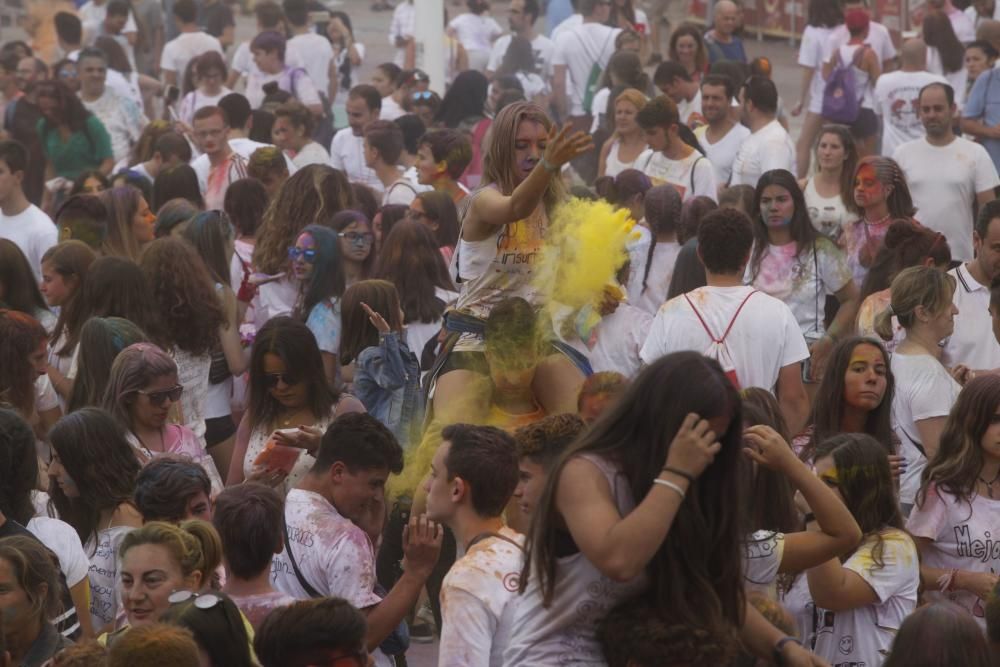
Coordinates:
<point>700,158</point>
<point>482,536</point>
<point>310,591</point>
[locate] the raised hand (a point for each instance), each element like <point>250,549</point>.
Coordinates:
<point>694,447</point>
<point>563,146</point>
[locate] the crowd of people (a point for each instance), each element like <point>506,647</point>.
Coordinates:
<point>282,384</point>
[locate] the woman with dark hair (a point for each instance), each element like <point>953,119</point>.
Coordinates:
<point>179,182</point>
<point>437,211</point>
<point>829,193</point>
<point>319,270</point>
<point>91,479</point>
<point>357,244</point>
<point>64,269</point>
<point>980,57</point>
<point>100,341</point>
<point>821,20</point>
<point>463,109</point>
<point>130,223</point>
<point>692,212</point>
<point>288,390</point>
<point>191,319</point>
<point>23,360</point>
<point>688,48</point>
<point>653,266</point>
<point>945,53</point>
<point>863,600</point>
<point>173,217</point>
<point>293,131</point>
<point>907,243</point>
<point>90,182</point>
<point>958,501</point>
<point>217,626</point>
<point>65,71</point>
<point>519,62</point>
<point>623,72</point>
<point>245,203</point>
<point>385,220</point>
<point>881,196</point>
<point>209,71</point>
<point>940,634</point>
<point>348,55</point>
<point>792,262</point>
<point>411,260</point>
<point>18,287</point>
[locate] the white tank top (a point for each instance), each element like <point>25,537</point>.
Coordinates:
<point>613,165</point>
<point>828,214</point>
<point>861,79</point>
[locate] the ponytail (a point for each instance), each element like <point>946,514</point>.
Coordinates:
<point>883,324</point>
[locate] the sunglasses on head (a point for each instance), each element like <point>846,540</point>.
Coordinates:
<point>206,601</point>
<point>356,238</point>
<point>158,398</point>
<point>308,254</point>
<point>271,379</point>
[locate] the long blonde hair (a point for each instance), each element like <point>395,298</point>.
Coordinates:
<point>916,286</point>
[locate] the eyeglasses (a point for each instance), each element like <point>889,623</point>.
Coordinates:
<point>355,238</point>
<point>271,379</point>
<point>308,254</point>
<point>423,95</point>
<point>206,601</point>
<point>158,398</point>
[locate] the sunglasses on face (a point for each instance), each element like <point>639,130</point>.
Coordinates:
<point>158,398</point>
<point>308,254</point>
<point>271,379</point>
<point>358,239</point>
<point>423,95</point>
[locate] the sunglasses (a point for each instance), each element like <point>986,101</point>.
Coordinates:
<point>308,254</point>
<point>271,379</point>
<point>158,398</point>
<point>206,601</point>
<point>358,239</point>
<point>423,95</point>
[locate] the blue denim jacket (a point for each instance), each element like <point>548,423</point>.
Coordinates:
<point>387,381</point>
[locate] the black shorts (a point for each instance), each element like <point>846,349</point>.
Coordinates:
<point>218,429</point>
<point>866,125</point>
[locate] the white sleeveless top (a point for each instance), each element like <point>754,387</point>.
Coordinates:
<point>258,438</point>
<point>583,596</point>
<point>861,78</point>
<point>828,214</point>
<point>615,166</point>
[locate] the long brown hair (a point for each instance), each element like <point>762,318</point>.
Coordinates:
<point>357,332</point>
<point>22,335</point>
<point>847,172</point>
<point>71,260</point>
<point>704,546</point>
<point>122,203</point>
<point>410,260</point>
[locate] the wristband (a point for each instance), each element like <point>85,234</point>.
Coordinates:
<point>779,646</point>
<point>670,485</point>
<point>548,166</point>
<point>680,473</point>
<point>809,517</point>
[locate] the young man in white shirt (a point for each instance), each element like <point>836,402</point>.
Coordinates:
<point>268,49</point>
<point>191,43</point>
<point>523,14</point>
<point>946,172</point>
<point>239,117</point>
<point>121,117</point>
<point>674,81</point>
<point>538,447</point>
<point>768,146</point>
<point>93,13</point>
<point>219,165</point>
<point>669,160</point>
<point>312,51</point>
<point>328,553</point>
<point>896,96</point>
<point>21,221</point>
<point>761,343</point>
<point>347,150</point>
<point>383,144</point>
<point>401,34</point>
<point>581,54</point>
<point>720,136</point>
<point>972,344</point>
<point>472,477</point>
<point>269,17</point>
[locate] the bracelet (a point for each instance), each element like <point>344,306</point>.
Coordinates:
<point>680,473</point>
<point>548,166</point>
<point>670,485</point>
<point>779,646</point>
<point>809,517</point>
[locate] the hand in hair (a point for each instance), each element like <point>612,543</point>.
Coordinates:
<point>563,146</point>
<point>769,449</point>
<point>377,320</point>
<point>694,447</point>
<point>421,545</point>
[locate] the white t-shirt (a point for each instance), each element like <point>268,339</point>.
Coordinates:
<point>314,53</point>
<point>103,573</point>
<point>477,602</point>
<point>863,636</point>
<point>403,21</point>
<point>924,390</point>
<point>691,176</point>
<point>963,25</point>
<point>292,80</point>
<point>568,23</point>
<point>476,32</point>
<point>94,14</point>
<point>896,96</point>
<point>690,110</point>
<point>762,559</point>
<point>661,271</point>
<point>579,50</point>
<point>178,52</point>
<point>196,100</point>
<point>723,152</point>
<point>62,539</point>
<point>764,338</point>
<point>347,153</point>
<point>311,153</point>
<point>878,39</point>
<point>391,109</point>
<point>972,343</point>
<point>956,79</point>
<point>33,232</point>
<point>400,192</point>
<point>768,148</point>
<point>215,181</point>
<point>121,117</point>
<point>944,181</point>
<point>617,340</point>
<point>811,50</point>
<point>963,536</point>
<point>541,46</point>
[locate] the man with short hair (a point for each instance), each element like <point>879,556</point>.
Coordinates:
<point>442,157</point>
<point>523,14</point>
<point>347,150</point>
<point>310,50</point>
<point>327,553</point>
<point>239,117</point>
<point>310,632</point>
<point>219,165</point>
<point>121,117</point>
<point>761,343</point>
<point>218,21</point>
<point>768,146</point>
<point>472,477</point>
<point>268,50</point>
<point>896,96</point>
<point>946,173</point>
<point>113,25</point>
<point>972,344</point>
<point>170,150</point>
<point>722,41</point>
<point>383,143</point>
<point>538,447</point>
<point>248,519</point>
<point>21,221</point>
<point>982,10</point>
<point>720,136</point>
<point>669,159</point>
<point>269,17</point>
<point>269,166</point>
<point>981,112</point>
<point>673,80</point>
<point>93,13</point>
<point>189,44</point>
<point>69,34</point>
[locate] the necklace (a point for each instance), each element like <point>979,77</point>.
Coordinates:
<point>989,484</point>
<point>877,222</point>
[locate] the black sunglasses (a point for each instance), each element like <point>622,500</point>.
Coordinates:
<point>271,379</point>
<point>158,398</point>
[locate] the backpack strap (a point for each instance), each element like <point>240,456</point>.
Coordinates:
<point>719,341</point>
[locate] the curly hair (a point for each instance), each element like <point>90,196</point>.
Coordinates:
<point>544,440</point>
<point>166,485</point>
<point>312,194</point>
<point>22,335</point>
<point>94,451</point>
<point>190,310</point>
